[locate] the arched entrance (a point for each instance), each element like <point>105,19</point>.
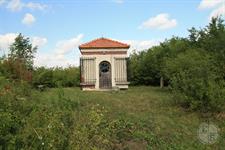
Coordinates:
<point>105,81</point>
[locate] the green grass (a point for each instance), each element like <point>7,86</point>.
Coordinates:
<point>157,122</point>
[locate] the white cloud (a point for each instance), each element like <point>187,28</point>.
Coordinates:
<point>66,46</point>
<point>35,6</point>
<point>61,54</point>
<point>58,56</point>
<point>220,11</point>
<point>161,21</point>
<point>38,41</point>
<point>217,6</point>
<point>17,5</point>
<point>54,60</point>
<point>139,45</point>
<point>28,19</point>
<point>7,39</point>
<point>206,4</point>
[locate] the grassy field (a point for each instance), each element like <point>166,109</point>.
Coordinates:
<point>148,118</point>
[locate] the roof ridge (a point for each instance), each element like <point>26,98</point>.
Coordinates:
<point>115,41</point>
<point>103,42</point>
<point>90,41</point>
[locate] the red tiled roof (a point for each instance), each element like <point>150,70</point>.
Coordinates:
<point>103,43</point>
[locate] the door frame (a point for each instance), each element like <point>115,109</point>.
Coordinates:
<point>109,86</point>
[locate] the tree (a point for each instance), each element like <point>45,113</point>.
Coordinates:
<point>193,67</point>
<point>23,51</point>
<point>212,39</point>
<point>194,82</point>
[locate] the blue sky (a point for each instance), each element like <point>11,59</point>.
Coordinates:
<point>58,27</point>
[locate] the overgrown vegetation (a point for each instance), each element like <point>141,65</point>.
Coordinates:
<point>140,118</point>
<point>56,77</point>
<point>20,111</point>
<point>18,66</point>
<point>194,67</point>
<point>67,118</point>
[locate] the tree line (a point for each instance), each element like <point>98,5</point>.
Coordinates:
<point>193,67</point>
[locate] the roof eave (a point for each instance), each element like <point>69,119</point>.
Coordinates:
<point>80,47</point>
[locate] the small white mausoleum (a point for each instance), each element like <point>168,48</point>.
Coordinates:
<point>103,64</point>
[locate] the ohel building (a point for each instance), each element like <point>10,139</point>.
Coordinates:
<point>103,64</point>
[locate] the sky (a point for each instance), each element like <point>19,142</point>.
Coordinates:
<point>58,27</point>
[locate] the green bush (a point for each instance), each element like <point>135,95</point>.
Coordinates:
<point>15,70</point>
<point>43,76</point>
<point>15,107</point>
<point>55,77</point>
<point>27,124</point>
<point>66,77</point>
<point>192,77</point>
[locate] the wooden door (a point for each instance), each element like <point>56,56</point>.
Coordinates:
<point>105,81</point>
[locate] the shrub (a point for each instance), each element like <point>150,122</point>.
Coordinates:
<point>43,76</point>
<point>193,78</point>
<point>15,70</point>
<point>55,77</point>
<point>66,77</point>
<point>15,107</point>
